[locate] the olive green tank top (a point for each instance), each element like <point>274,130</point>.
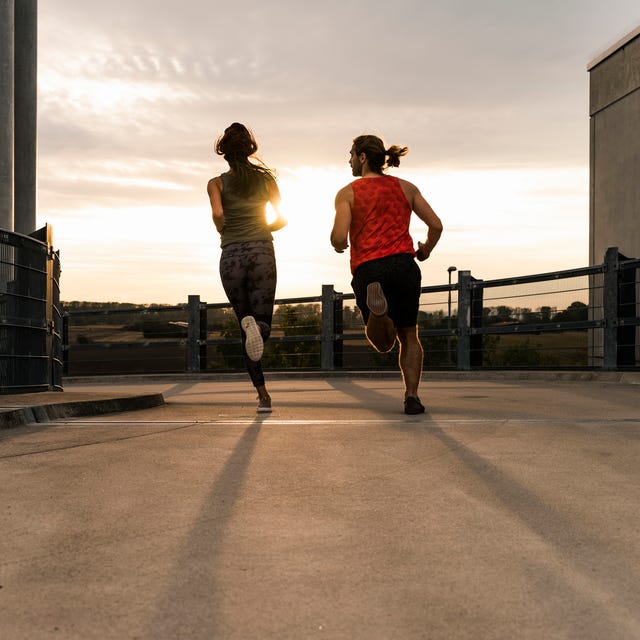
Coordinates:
<point>245,217</point>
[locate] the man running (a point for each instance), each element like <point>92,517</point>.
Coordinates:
<point>373,214</point>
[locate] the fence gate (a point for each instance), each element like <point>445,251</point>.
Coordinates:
<point>30,319</point>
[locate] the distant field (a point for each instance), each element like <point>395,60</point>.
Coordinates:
<point>566,349</point>
<point>102,333</point>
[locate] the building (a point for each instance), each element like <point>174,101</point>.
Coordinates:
<point>614,198</point>
<point>614,110</point>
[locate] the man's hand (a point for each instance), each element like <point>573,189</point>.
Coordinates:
<point>422,253</point>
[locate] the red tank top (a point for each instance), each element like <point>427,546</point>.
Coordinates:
<point>379,220</point>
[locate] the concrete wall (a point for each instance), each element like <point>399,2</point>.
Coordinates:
<point>614,110</point>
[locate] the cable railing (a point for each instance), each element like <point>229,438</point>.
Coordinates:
<point>584,318</point>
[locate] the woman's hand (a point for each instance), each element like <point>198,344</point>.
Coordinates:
<point>278,223</point>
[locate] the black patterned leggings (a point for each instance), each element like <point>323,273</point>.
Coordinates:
<point>248,273</point>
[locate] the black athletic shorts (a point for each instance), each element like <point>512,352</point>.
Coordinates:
<point>401,280</point>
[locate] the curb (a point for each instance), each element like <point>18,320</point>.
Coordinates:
<point>56,411</point>
<point>620,377</point>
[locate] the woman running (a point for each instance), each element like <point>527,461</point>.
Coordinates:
<point>247,265</point>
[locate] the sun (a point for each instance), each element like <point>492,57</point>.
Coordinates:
<point>305,257</point>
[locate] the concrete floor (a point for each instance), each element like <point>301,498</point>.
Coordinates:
<point>509,510</point>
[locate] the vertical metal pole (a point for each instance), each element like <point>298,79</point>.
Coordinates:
<point>450,270</point>
<point>193,335</point>
<point>449,323</point>
<point>49,306</point>
<point>65,344</point>
<point>338,329</point>
<point>6,113</point>
<point>202,338</point>
<point>25,118</point>
<point>328,323</point>
<point>475,322</point>
<point>626,309</point>
<point>57,321</point>
<point>464,320</point>
<point>610,303</point>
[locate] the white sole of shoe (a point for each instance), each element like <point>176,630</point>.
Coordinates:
<point>376,302</point>
<point>254,345</point>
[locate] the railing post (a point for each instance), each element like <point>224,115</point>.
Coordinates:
<point>626,353</point>
<point>193,335</point>
<point>202,338</point>
<point>476,303</point>
<point>65,344</point>
<point>610,304</point>
<point>49,341</point>
<point>464,320</point>
<point>328,325</point>
<point>338,329</point>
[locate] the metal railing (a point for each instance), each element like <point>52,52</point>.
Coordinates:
<point>583,318</point>
<point>30,315</point>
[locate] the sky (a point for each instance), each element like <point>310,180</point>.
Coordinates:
<point>490,96</point>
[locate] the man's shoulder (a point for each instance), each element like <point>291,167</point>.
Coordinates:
<point>346,190</point>
<point>410,190</point>
<point>406,184</point>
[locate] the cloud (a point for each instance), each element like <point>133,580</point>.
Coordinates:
<point>132,95</point>
<point>463,82</point>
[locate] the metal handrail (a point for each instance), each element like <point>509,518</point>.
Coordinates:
<point>467,328</point>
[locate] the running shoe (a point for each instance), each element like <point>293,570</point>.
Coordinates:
<point>376,301</point>
<point>254,345</point>
<point>413,406</point>
<point>264,405</point>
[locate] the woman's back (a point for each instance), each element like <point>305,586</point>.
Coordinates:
<point>245,215</point>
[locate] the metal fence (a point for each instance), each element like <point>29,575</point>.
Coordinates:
<point>30,315</point>
<point>583,318</point>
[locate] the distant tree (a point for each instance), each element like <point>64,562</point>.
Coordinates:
<point>575,312</point>
<point>216,318</point>
<point>298,320</point>
<point>435,350</point>
<point>351,318</point>
<point>504,313</point>
<point>519,354</point>
<point>526,315</point>
<point>545,314</point>
<point>435,319</point>
<point>231,352</point>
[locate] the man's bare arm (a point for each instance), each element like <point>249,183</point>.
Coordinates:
<point>425,212</point>
<point>342,221</point>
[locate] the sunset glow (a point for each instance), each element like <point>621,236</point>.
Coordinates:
<point>131,100</point>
